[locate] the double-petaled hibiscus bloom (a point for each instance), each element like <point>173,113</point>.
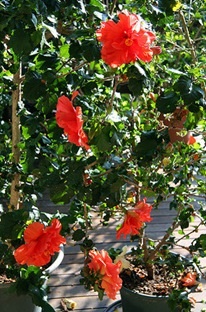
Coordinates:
<point>101,265</point>
<point>41,242</point>
<point>135,219</point>
<point>126,41</point>
<point>107,273</point>
<point>70,119</point>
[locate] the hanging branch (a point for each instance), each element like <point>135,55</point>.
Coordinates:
<point>16,97</point>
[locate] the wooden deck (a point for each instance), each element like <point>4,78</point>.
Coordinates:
<point>64,282</point>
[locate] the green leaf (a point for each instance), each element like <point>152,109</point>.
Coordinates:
<point>167,102</point>
<point>147,146</point>
<point>78,235</point>
<point>51,29</point>
<point>137,79</point>
<point>183,85</point>
<point>34,19</point>
<point>33,89</point>
<point>194,94</point>
<point>47,60</point>
<point>97,4</point>
<point>75,49</point>
<point>20,42</point>
<point>136,71</point>
<point>200,244</point>
<point>60,193</point>
<point>90,50</point>
<point>174,71</point>
<point>113,116</point>
<point>136,86</point>
<point>11,224</point>
<point>103,139</point>
<point>64,51</point>
<point>25,133</point>
<point>36,37</point>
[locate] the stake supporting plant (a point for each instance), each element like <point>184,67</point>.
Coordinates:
<point>16,98</point>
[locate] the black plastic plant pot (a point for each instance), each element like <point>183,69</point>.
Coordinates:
<point>137,302</point>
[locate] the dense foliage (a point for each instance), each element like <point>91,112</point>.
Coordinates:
<point>50,49</point>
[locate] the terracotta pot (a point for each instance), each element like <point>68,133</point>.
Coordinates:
<point>11,302</point>
<point>175,124</point>
<point>175,135</point>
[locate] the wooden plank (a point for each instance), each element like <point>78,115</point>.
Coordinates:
<point>84,303</point>
<point>64,279</point>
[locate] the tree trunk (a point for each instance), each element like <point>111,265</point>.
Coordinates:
<point>16,97</point>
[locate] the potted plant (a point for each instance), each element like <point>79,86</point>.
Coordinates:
<point>31,248</point>
<point>84,126</point>
<point>150,167</point>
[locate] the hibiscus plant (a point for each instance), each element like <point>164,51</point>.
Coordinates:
<point>87,90</point>
<point>28,247</point>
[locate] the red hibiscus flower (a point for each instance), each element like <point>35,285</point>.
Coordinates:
<point>189,279</point>
<point>70,119</point>
<point>192,140</point>
<point>40,243</point>
<point>107,272</point>
<point>126,41</point>
<point>134,219</point>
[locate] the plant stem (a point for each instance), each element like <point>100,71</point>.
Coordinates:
<point>16,97</point>
<point>171,229</point>
<point>192,231</point>
<point>86,218</point>
<point>113,6</point>
<point>148,264</point>
<point>187,36</point>
<point>116,82</point>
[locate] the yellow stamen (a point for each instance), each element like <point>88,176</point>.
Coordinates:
<point>128,42</point>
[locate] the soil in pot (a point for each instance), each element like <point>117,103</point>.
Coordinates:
<point>143,294</point>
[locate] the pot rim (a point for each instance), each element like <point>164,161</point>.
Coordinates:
<point>143,294</point>
<point>57,261</point>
